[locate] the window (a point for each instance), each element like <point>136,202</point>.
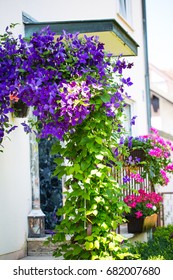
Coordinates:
<point>125,9</point>
<point>126,121</point>
<point>155,103</point>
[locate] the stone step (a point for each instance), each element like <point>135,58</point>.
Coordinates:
<point>37,247</point>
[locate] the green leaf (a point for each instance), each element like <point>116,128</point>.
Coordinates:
<point>59,160</point>
<point>21,70</point>
<point>99,140</point>
<point>84,165</point>
<point>100,157</point>
<point>95,212</point>
<point>78,237</point>
<point>103,240</point>
<point>119,238</point>
<point>77,250</point>
<point>77,167</point>
<point>96,244</point>
<point>94,206</point>
<point>89,245</point>
<point>111,246</point>
<point>99,174</point>
<point>78,176</point>
<point>70,170</point>
<point>56,148</point>
<point>94,171</point>
<point>94,257</point>
<point>89,238</point>
<point>104,226</point>
<point>89,212</point>
<point>105,97</point>
<point>101,166</point>
<point>87,181</point>
<point>114,224</point>
<point>85,195</point>
<point>98,199</point>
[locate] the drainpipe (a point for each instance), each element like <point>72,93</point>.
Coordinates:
<point>147,81</point>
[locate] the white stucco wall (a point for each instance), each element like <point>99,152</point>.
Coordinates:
<point>15,191</point>
<point>70,9</point>
<point>11,12</point>
<point>15,187</point>
<point>137,74</point>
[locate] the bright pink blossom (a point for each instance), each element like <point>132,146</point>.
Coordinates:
<point>156,152</point>
<point>149,205</point>
<point>144,203</point>
<point>137,177</point>
<point>132,205</point>
<point>138,214</point>
<point>154,130</point>
<point>169,167</point>
<point>165,178</point>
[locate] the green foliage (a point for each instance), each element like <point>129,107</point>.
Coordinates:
<point>77,92</point>
<point>93,209</point>
<point>154,153</point>
<point>160,248</point>
<point>156,258</point>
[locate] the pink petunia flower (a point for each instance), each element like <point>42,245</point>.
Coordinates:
<point>138,214</point>
<point>149,205</point>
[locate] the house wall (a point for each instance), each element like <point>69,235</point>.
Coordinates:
<point>15,186</point>
<point>15,194</point>
<point>138,90</point>
<point>67,10</point>
<point>161,84</point>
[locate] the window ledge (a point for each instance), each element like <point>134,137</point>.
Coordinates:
<point>127,24</point>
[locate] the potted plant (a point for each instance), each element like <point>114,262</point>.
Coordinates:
<point>144,208</point>
<point>20,109</point>
<point>153,154</point>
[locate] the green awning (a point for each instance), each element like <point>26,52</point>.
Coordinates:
<point>110,32</point>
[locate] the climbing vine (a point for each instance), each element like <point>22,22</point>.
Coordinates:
<point>77,93</point>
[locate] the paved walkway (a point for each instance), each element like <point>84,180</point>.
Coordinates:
<point>39,258</point>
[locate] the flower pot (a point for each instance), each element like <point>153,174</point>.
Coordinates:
<point>135,225</point>
<point>150,222</point>
<point>20,109</point>
<point>138,153</point>
<point>141,224</point>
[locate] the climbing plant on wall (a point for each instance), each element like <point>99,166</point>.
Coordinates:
<point>77,91</point>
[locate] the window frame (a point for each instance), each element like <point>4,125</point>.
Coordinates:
<point>125,10</point>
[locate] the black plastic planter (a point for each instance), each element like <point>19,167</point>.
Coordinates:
<point>20,109</point>
<point>135,225</point>
<point>141,224</point>
<point>138,153</point>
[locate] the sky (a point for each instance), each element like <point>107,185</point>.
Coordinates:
<point>160,33</point>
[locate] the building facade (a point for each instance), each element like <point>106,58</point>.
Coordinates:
<point>120,26</point>
<point>161,90</point>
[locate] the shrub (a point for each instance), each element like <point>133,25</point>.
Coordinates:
<point>160,247</point>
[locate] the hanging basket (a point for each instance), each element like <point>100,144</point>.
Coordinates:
<point>20,109</point>
<point>138,153</point>
<point>141,224</point>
